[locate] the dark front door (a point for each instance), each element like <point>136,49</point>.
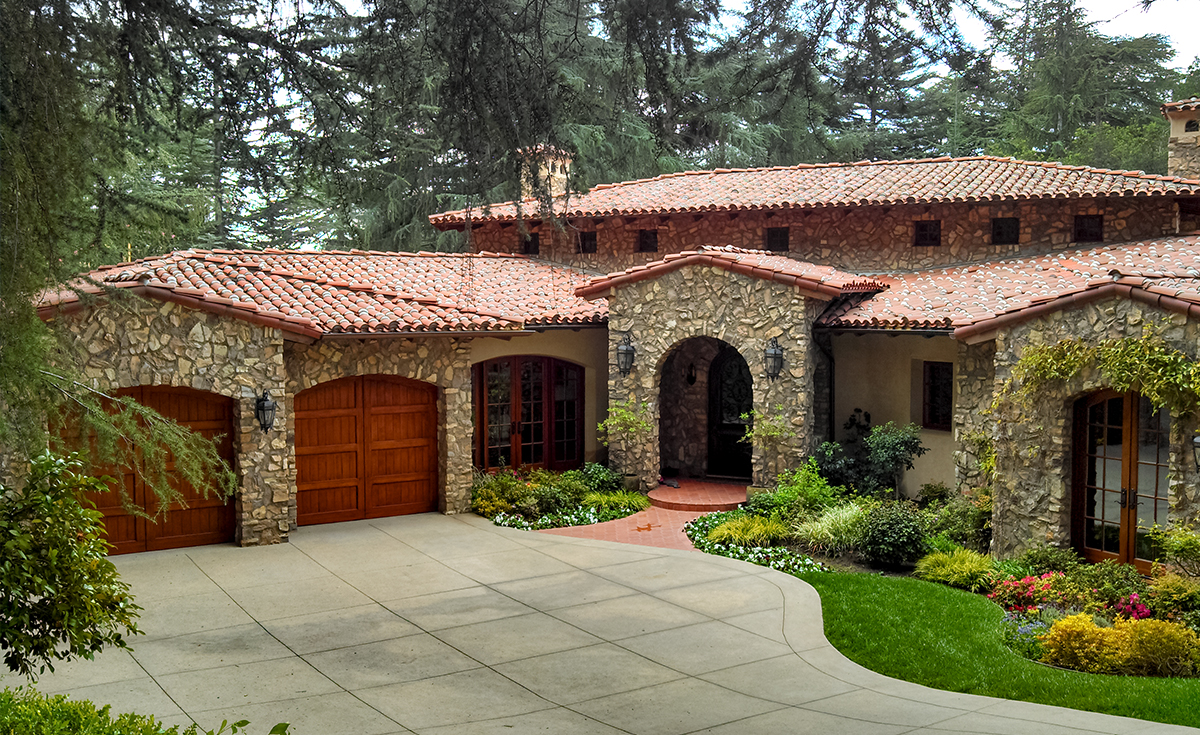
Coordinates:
<point>731,397</point>
<point>1121,485</point>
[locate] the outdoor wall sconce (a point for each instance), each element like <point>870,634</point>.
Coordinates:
<point>625,353</point>
<point>1196,450</point>
<point>264,411</point>
<point>773,357</point>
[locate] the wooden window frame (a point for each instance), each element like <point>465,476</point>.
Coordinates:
<point>931,371</point>
<point>927,233</point>
<point>773,236</point>
<point>1006,231</point>
<point>548,418</point>
<point>1088,228</point>
<point>587,242</point>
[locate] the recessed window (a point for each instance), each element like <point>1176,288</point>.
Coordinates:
<point>647,241</point>
<point>531,245</point>
<point>1191,126</point>
<point>938,403</point>
<point>927,233</point>
<point>1006,231</point>
<point>777,239</point>
<point>587,242</point>
<point>1089,228</point>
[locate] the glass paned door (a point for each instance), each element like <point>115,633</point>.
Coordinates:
<point>1121,486</point>
<point>529,412</point>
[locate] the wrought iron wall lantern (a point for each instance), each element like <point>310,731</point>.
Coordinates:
<point>264,411</point>
<point>625,353</point>
<point>773,358</point>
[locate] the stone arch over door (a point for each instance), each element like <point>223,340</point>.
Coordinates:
<point>696,437</point>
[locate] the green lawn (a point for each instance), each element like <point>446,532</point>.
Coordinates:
<point>949,639</point>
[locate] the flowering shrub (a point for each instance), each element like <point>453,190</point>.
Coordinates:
<point>1022,634</point>
<point>1132,607</point>
<point>573,517</point>
<point>1030,594</point>
<point>775,557</point>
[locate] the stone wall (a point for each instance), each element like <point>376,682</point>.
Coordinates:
<point>1034,467</point>
<point>683,424</point>
<point>441,361</point>
<point>745,313</point>
<point>1183,156</point>
<point>974,388</point>
<point>861,239</point>
<point>141,342</point>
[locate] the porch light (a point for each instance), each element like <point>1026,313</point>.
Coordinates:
<point>1196,450</point>
<point>773,357</point>
<point>625,353</point>
<point>264,411</point>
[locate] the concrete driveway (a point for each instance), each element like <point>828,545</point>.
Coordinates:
<point>436,624</point>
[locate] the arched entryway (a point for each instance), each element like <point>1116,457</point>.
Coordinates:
<point>704,392</point>
<point>1121,483</point>
<point>366,447</point>
<point>200,520</point>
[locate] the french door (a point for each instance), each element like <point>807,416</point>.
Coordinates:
<point>1122,447</point>
<point>529,412</point>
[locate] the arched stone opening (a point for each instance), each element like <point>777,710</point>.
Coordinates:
<point>705,387</point>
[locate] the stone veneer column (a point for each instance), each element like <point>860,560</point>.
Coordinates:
<point>441,361</point>
<point>145,342</point>
<point>975,387</point>
<point>744,312</point>
<point>1034,448</point>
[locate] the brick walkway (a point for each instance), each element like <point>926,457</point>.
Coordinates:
<point>661,525</point>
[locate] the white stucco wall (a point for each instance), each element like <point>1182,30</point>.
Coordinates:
<point>881,373</point>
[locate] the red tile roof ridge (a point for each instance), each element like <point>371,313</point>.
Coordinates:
<point>1191,103</point>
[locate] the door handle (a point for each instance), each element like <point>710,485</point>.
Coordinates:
<point>1129,498</point>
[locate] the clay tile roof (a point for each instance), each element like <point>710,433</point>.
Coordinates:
<point>320,293</point>
<point>973,299</point>
<point>820,281</point>
<point>1191,103</point>
<point>979,178</point>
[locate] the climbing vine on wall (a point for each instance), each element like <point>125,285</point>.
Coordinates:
<point>1147,364</point>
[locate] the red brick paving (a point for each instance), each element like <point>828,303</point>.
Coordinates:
<point>699,495</point>
<point>661,525</point>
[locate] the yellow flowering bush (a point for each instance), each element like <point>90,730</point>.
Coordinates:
<point>1137,647</point>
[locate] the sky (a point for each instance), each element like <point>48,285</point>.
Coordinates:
<point>1179,20</point>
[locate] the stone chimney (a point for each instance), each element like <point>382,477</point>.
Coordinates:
<point>1183,149</point>
<point>546,167</point>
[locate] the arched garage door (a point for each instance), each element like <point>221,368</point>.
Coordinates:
<point>366,447</point>
<point>203,520</point>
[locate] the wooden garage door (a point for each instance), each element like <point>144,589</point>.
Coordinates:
<point>366,447</point>
<point>204,520</point>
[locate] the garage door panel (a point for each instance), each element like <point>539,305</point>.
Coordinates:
<point>199,520</point>
<point>391,435</point>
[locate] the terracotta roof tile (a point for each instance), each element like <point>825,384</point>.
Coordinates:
<point>821,280</point>
<point>954,298</point>
<point>362,292</point>
<point>1191,103</point>
<point>979,178</point>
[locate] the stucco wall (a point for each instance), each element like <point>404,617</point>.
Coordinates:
<point>142,342</point>
<point>440,361</point>
<point>744,312</point>
<point>882,374</point>
<point>861,239</point>
<point>1033,447</point>
<point>585,347</point>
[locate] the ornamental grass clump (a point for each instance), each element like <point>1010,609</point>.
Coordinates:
<point>749,530</point>
<point>962,568</point>
<point>835,532</point>
<point>619,500</point>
